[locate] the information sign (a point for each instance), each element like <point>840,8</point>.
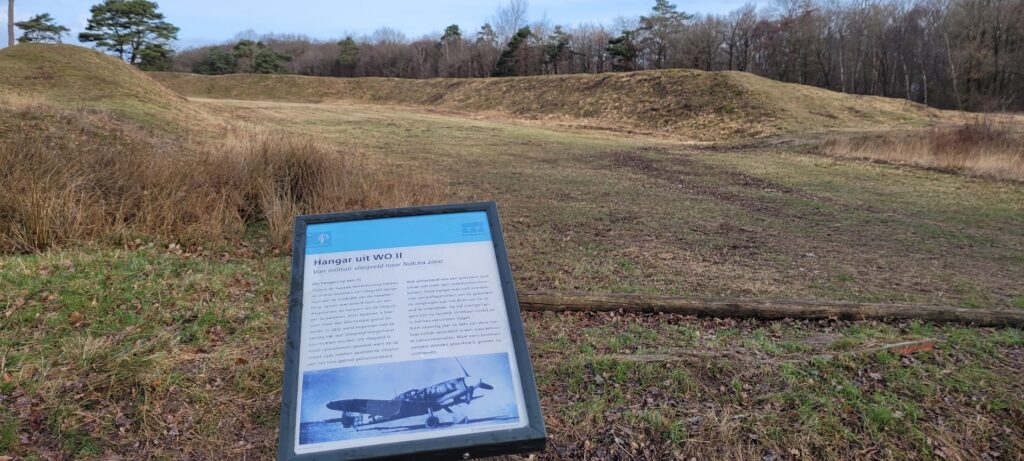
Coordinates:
<point>404,338</point>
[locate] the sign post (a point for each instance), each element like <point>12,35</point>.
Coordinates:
<point>405,340</point>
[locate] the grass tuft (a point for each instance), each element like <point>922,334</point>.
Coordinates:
<point>82,184</point>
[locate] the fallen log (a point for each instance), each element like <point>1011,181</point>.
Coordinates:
<point>764,309</point>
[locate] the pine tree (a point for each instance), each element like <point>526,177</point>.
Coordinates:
<point>41,28</point>
<point>623,51</point>
<point>125,27</point>
<point>216,62</point>
<point>451,34</point>
<point>348,57</point>
<point>487,35</point>
<point>257,58</point>
<point>155,57</point>
<point>507,65</point>
<point>556,47</point>
<point>661,29</point>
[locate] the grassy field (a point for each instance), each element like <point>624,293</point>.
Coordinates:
<point>156,352</point>
<point>147,346</point>
<point>636,214</point>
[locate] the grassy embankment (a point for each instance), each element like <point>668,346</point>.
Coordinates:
<point>683,104</point>
<point>149,346</point>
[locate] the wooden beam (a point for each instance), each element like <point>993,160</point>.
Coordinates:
<point>764,309</point>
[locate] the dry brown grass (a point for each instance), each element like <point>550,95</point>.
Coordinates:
<point>981,147</point>
<point>67,76</point>
<point>73,184</point>
<point>687,104</point>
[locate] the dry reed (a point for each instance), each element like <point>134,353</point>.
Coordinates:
<point>981,147</point>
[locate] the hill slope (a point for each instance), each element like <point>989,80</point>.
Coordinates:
<point>73,77</point>
<point>690,103</point>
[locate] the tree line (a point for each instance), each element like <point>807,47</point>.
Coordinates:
<point>961,54</point>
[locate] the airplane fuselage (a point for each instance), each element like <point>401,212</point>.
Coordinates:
<point>414,402</point>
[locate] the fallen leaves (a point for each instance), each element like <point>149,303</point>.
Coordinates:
<point>76,318</point>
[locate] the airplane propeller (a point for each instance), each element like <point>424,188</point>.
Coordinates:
<point>481,384</point>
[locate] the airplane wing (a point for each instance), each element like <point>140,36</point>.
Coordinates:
<point>384,408</point>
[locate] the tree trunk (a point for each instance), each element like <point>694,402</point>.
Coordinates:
<point>10,23</point>
<point>764,309</point>
<point>924,68</point>
<point>924,84</point>
<point>953,76</point>
<point>906,77</point>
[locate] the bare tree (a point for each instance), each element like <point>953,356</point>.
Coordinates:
<point>588,48</point>
<point>510,18</point>
<point>740,36</point>
<point>704,41</point>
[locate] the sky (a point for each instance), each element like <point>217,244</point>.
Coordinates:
<point>205,22</point>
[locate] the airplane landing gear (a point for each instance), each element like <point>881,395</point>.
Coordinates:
<point>432,421</point>
<point>435,421</point>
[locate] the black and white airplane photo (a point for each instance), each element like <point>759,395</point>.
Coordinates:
<point>347,403</point>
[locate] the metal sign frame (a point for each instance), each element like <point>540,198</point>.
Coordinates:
<point>532,437</point>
